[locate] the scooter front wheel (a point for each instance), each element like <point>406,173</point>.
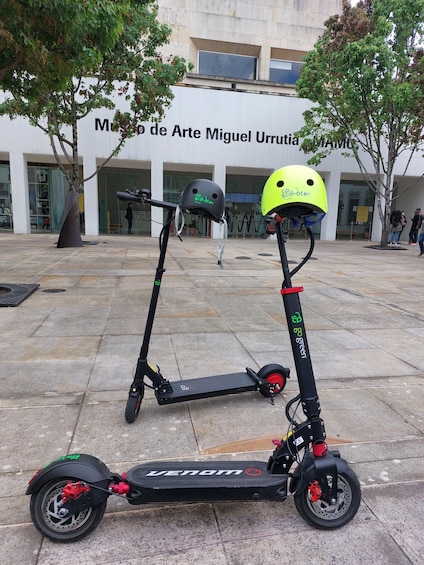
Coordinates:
<point>134,401</point>
<point>330,516</point>
<point>45,508</point>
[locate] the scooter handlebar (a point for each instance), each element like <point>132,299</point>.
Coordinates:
<point>143,195</point>
<point>135,195</point>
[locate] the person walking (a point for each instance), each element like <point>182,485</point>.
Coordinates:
<point>129,217</point>
<point>395,227</point>
<point>421,235</point>
<point>413,232</point>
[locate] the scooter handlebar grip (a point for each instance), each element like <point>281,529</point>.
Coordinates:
<point>137,196</point>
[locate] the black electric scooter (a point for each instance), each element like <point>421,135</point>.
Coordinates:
<point>69,496</point>
<point>270,380</point>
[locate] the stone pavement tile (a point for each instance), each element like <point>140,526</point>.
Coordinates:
<point>159,432</point>
<point>405,400</point>
<point>205,354</point>
<point>117,357</point>
<point>39,365</point>
<point>36,435</point>
<point>345,363</point>
<point>404,342</point>
<point>400,508</point>
<point>19,545</point>
<point>75,320</point>
<point>361,424</point>
<point>51,377</point>
<point>164,534</point>
<point>355,544</point>
<point>22,322</point>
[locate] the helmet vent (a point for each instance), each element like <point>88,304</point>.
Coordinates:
<point>194,190</point>
<point>214,195</point>
<point>309,182</point>
<point>280,183</point>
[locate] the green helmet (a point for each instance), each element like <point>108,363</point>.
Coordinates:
<point>295,190</point>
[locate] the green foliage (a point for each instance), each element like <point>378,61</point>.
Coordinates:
<point>63,59</point>
<point>366,77</point>
<point>45,41</point>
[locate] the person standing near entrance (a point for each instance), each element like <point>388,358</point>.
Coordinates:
<point>395,227</point>
<point>129,217</point>
<point>413,232</point>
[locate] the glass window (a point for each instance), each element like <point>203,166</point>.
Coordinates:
<point>226,65</point>
<point>284,72</point>
<point>5,198</point>
<point>112,211</point>
<point>47,189</point>
<point>242,205</point>
<point>356,205</point>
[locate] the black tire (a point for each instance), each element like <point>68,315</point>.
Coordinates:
<point>325,516</point>
<point>44,508</point>
<point>133,405</point>
<point>276,375</point>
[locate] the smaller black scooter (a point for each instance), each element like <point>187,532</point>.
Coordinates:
<point>270,380</point>
<point>69,496</point>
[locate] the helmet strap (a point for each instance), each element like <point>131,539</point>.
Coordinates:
<point>178,229</point>
<point>223,228</point>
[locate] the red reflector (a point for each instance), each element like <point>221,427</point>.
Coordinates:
<point>291,290</point>
<point>34,477</point>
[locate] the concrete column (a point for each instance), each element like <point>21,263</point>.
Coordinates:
<point>156,177</point>
<point>329,223</point>
<point>20,194</point>
<point>91,197</point>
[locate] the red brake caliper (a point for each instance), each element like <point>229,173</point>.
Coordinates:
<point>73,490</point>
<point>315,491</point>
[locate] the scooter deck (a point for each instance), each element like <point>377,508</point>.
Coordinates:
<point>204,481</point>
<point>206,387</point>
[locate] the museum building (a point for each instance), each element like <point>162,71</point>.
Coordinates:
<point>232,120</point>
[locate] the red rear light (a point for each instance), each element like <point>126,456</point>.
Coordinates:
<point>34,477</point>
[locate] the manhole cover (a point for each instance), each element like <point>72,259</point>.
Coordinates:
<point>265,254</point>
<point>243,257</point>
<point>14,294</point>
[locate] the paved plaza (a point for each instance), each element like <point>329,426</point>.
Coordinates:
<point>68,356</point>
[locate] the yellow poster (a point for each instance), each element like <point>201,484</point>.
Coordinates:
<point>362,214</point>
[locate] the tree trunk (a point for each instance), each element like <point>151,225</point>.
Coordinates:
<point>70,235</point>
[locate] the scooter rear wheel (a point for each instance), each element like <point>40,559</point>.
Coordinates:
<point>276,375</point>
<point>45,506</point>
<point>329,516</point>
<point>133,405</point>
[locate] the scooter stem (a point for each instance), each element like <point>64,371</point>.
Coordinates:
<point>308,391</point>
<point>157,283</point>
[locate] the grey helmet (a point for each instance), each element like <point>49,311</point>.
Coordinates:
<point>204,198</point>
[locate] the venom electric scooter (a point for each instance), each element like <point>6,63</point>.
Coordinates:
<point>203,198</point>
<point>69,496</point>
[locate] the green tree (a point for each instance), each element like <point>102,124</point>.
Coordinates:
<point>366,77</point>
<point>47,41</point>
<point>102,54</point>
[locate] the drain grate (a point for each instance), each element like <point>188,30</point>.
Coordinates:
<point>14,294</point>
